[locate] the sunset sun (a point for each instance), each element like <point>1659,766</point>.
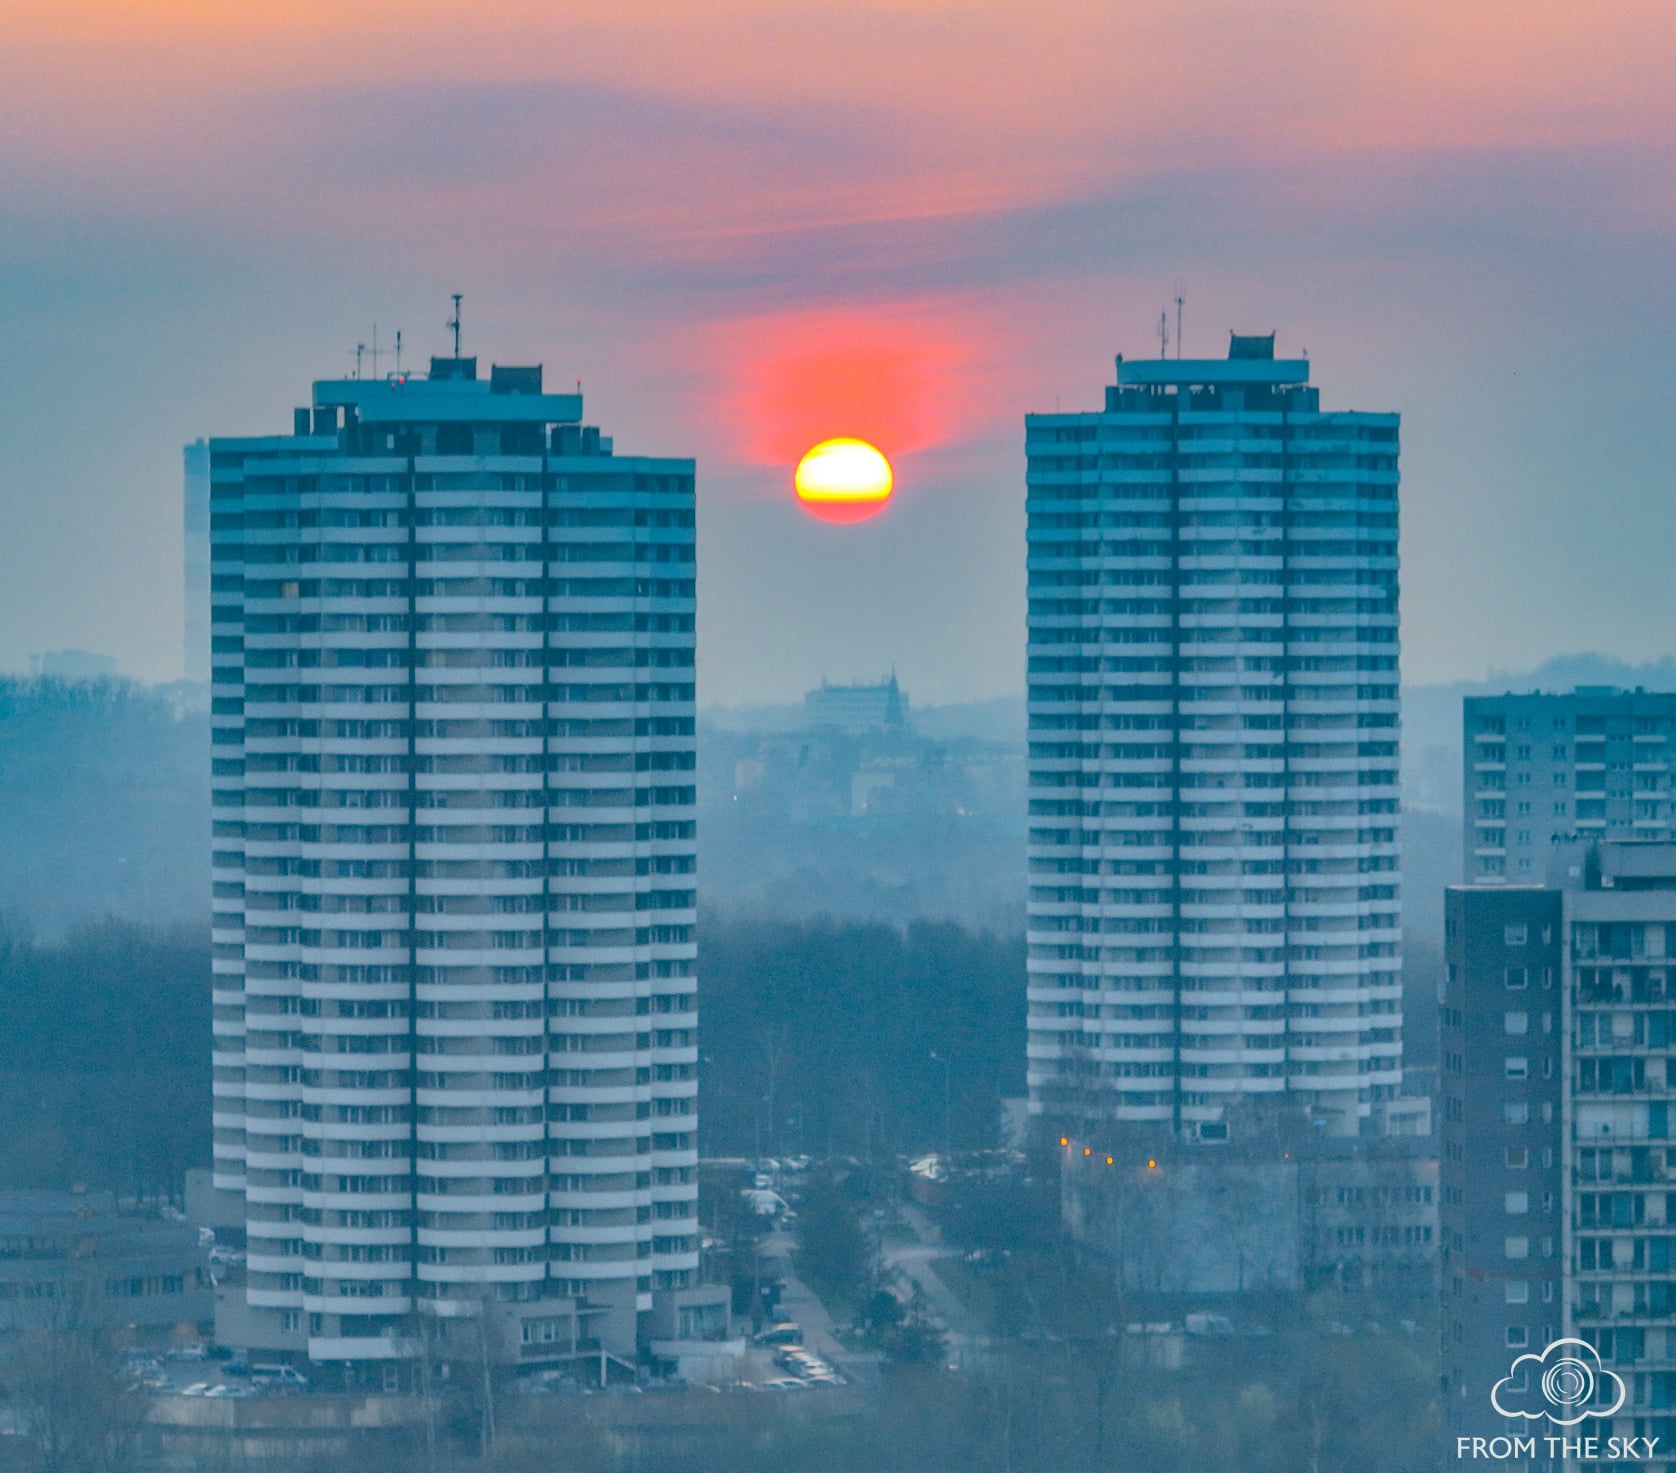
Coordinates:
<point>843,481</point>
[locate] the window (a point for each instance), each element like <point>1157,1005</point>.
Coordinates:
<point>1518,1291</point>
<point>1516,1068</point>
<point>1517,978</point>
<point>1517,1337</point>
<point>1517,1203</point>
<point>1516,1113</point>
<point>1515,1024</point>
<point>1514,935</point>
<point>1516,1248</point>
<point>1516,1158</point>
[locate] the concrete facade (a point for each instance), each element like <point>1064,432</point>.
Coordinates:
<point>1559,1172</point>
<point>1545,769</point>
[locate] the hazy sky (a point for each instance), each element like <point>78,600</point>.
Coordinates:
<point>750,224</point>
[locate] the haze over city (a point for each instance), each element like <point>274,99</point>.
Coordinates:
<point>792,738</point>
<point>749,227</point>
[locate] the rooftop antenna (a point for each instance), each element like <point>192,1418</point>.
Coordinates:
<point>1164,334</point>
<point>454,322</point>
<point>1181,296</point>
<point>398,352</point>
<point>360,348</point>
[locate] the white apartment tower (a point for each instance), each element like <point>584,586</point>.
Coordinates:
<point>454,873</point>
<point>1213,855</point>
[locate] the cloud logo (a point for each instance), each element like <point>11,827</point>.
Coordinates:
<point>1563,1380</point>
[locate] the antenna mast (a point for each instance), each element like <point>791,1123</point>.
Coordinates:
<point>398,352</point>
<point>454,322</point>
<point>1181,296</point>
<point>1164,334</point>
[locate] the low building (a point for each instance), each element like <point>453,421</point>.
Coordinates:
<point>82,1258</point>
<point>1277,1212</point>
<point>692,1334</point>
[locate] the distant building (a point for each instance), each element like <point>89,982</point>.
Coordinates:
<point>196,545</point>
<point>858,708</point>
<point>73,665</point>
<point>1214,872</point>
<point>74,1259</point>
<point>454,853</point>
<point>1594,763</point>
<point>1559,1103</point>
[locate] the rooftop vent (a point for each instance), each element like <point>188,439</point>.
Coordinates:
<point>453,368</point>
<point>508,380</point>
<point>1259,346</point>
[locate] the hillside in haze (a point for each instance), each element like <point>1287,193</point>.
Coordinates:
<point>104,805</point>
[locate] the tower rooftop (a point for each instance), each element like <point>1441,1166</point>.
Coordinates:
<point>452,392</point>
<point>1250,360</point>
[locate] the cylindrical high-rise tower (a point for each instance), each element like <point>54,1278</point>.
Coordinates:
<point>454,872</point>
<point>1214,909</point>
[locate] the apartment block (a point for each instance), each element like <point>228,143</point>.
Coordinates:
<point>1559,1024</point>
<point>1544,769</point>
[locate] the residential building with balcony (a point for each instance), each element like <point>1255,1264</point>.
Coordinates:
<point>1214,871</point>
<point>455,1050</point>
<point>1559,1167</point>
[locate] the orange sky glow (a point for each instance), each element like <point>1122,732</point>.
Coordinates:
<point>757,224</point>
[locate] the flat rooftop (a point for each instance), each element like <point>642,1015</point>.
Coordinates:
<point>1250,360</point>
<point>453,392</point>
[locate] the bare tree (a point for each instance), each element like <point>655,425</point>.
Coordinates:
<point>79,1412</point>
